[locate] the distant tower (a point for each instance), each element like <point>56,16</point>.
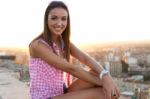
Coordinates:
<point>148,59</point>
<point>116,66</point>
<point>126,55</point>
<point>110,56</point>
<point>132,61</point>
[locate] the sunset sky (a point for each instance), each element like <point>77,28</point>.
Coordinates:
<point>92,21</point>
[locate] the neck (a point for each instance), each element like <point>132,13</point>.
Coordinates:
<point>56,39</point>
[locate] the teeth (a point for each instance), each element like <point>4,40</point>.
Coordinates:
<point>58,29</point>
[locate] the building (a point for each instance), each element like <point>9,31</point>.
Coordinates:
<point>115,68</point>
<point>148,59</point>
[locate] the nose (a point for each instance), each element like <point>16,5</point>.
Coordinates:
<point>59,22</point>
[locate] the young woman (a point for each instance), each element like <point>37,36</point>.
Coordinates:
<point>50,55</point>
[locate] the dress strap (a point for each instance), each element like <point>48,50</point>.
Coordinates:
<point>53,46</point>
<point>44,42</point>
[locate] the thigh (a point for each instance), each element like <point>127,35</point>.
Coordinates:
<point>91,93</point>
<point>80,84</point>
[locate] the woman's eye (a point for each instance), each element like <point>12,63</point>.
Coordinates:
<point>53,18</point>
<point>64,19</point>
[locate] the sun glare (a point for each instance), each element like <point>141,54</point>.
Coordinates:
<point>112,22</point>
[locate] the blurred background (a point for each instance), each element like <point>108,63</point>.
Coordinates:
<point>114,32</point>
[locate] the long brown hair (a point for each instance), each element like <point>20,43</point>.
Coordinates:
<point>46,34</point>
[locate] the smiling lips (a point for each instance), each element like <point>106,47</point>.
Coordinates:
<point>58,28</point>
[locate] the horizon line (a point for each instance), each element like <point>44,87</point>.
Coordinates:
<point>87,44</point>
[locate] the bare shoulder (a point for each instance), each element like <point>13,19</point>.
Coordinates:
<point>72,45</point>
<point>33,44</point>
<point>74,48</point>
<point>38,46</point>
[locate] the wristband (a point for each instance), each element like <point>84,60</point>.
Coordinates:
<point>103,73</point>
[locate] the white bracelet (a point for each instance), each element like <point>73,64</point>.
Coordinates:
<point>103,73</point>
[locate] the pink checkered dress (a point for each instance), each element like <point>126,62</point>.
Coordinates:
<point>45,80</point>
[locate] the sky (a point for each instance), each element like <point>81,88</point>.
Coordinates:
<point>92,21</point>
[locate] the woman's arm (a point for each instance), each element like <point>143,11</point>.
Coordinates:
<point>85,59</point>
<point>41,50</point>
<point>107,82</point>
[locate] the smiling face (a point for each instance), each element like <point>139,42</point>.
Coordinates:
<point>57,21</point>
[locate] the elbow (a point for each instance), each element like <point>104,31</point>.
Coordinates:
<point>72,70</point>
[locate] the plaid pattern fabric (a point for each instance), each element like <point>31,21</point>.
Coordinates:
<point>45,80</point>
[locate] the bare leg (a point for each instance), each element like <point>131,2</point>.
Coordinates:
<point>83,90</point>
<point>80,84</point>
<point>91,93</point>
<point>80,89</point>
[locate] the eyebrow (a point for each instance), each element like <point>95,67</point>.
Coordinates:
<point>57,16</point>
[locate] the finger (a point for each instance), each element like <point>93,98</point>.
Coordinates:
<point>104,93</point>
<point>117,92</point>
<point>115,95</point>
<point>108,94</point>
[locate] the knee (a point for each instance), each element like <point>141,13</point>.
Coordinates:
<point>98,93</point>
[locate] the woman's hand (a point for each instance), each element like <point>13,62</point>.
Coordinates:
<point>110,88</point>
